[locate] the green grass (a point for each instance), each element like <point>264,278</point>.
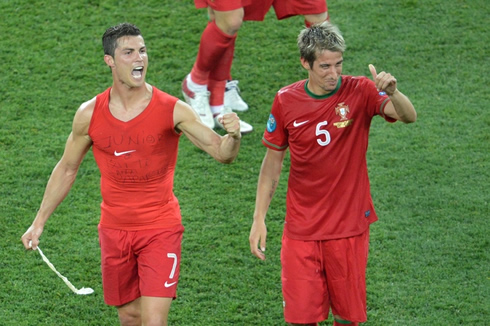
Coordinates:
<point>429,258</point>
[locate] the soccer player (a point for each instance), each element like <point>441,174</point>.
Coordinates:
<point>324,122</point>
<point>208,88</point>
<point>133,129</point>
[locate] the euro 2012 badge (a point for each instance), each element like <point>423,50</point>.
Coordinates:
<point>271,123</point>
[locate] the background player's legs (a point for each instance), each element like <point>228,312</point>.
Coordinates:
<point>316,18</point>
<point>214,61</point>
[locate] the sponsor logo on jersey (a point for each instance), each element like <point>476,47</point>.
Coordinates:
<point>297,124</point>
<point>116,153</point>
<point>167,285</point>
<point>271,123</point>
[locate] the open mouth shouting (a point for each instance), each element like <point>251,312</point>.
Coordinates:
<point>137,72</point>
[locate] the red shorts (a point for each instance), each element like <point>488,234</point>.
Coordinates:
<point>258,9</point>
<point>222,5</point>
<point>139,263</point>
<point>319,275</point>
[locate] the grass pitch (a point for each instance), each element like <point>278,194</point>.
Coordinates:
<point>430,250</point>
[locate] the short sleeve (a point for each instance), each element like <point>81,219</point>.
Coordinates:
<point>275,134</point>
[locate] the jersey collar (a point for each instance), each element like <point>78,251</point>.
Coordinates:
<point>319,97</point>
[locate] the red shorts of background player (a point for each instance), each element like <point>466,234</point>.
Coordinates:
<point>319,275</point>
<point>140,263</point>
<point>222,5</point>
<point>258,9</point>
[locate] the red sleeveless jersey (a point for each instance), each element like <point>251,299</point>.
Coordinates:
<point>328,194</point>
<point>137,160</point>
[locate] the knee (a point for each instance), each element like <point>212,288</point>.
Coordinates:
<point>129,316</point>
<point>230,23</point>
<point>316,18</point>
<point>129,319</point>
<point>234,25</point>
<point>154,320</point>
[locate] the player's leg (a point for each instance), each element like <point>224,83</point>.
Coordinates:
<point>147,311</point>
<point>154,310</point>
<point>316,18</point>
<point>314,11</point>
<point>212,46</point>
<point>229,22</point>
<point>217,84</point>
<point>218,36</point>
<point>345,262</point>
<point>120,274</point>
<point>304,287</point>
<point>158,253</point>
<point>130,313</point>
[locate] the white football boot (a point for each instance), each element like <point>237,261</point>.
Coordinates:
<point>245,128</point>
<point>199,101</point>
<point>233,100</point>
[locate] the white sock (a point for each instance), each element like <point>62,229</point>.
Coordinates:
<point>216,109</point>
<point>195,87</point>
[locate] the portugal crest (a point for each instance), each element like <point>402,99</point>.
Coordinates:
<point>342,110</point>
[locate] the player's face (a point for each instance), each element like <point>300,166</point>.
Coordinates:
<point>130,61</point>
<point>325,73</point>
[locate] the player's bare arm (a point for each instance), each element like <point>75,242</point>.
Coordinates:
<point>266,187</point>
<point>400,107</point>
<point>223,148</point>
<point>63,175</point>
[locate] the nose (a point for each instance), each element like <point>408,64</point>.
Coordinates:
<point>332,71</point>
<point>140,55</point>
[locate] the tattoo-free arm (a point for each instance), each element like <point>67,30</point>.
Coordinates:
<point>266,187</point>
<point>63,175</point>
<point>223,148</point>
<point>400,107</point>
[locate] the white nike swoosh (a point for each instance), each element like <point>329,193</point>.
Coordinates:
<point>297,124</point>
<point>122,153</point>
<point>167,285</point>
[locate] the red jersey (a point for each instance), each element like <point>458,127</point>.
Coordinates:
<point>137,161</point>
<point>328,193</point>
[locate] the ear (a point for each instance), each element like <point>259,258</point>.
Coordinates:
<point>305,64</point>
<point>109,60</point>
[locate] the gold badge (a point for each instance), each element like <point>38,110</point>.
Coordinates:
<point>342,110</point>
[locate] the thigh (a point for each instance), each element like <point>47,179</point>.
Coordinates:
<point>119,270</point>
<point>345,262</point>
<point>154,311</point>
<point>288,8</point>
<point>221,5</point>
<point>158,258</point>
<point>303,282</point>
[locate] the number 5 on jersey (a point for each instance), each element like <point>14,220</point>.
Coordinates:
<point>323,135</point>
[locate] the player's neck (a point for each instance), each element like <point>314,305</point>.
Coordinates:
<point>127,99</point>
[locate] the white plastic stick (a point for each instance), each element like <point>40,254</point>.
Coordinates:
<point>81,291</point>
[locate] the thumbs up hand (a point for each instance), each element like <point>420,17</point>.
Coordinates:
<point>384,81</point>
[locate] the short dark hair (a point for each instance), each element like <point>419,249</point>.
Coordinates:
<point>112,34</point>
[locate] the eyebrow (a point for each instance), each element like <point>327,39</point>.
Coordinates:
<point>328,64</point>
<point>133,49</point>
